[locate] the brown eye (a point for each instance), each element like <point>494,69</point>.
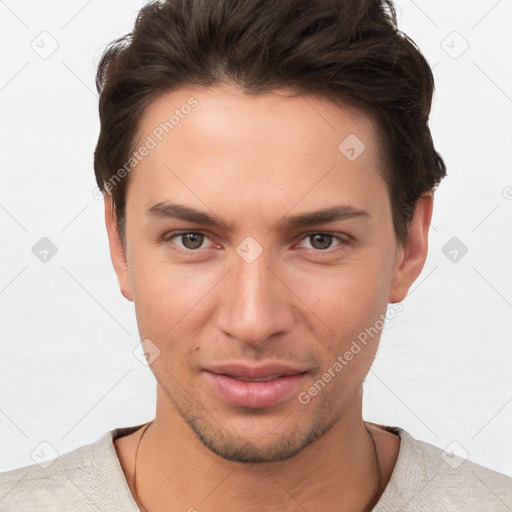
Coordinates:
<point>321,241</point>
<point>191,240</point>
<point>186,241</point>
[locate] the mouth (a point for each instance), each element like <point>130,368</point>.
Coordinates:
<point>254,387</point>
<point>261,379</point>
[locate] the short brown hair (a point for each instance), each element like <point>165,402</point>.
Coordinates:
<point>348,51</point>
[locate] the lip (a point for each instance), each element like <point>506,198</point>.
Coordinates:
<point>226,382</point>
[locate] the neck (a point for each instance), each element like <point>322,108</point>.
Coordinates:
<point>339,471</point>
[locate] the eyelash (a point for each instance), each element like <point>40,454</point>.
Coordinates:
<point>344,241</point>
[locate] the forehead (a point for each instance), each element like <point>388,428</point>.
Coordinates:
<point>224,142</point>
<point>226,113</point>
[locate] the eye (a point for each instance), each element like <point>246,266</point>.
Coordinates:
<point>190,240</point>
<point>322,241</point>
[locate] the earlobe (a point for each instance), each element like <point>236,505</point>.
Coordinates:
<point>117,252</point>
<point>411,257</point>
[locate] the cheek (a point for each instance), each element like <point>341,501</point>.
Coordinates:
<point>167,297</point>
<point>353,306</point>
<point>351,299</point>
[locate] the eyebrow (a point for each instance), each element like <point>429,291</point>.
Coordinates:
<point>166,210</point>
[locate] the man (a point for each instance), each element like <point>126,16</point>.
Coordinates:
<point>268,174</point>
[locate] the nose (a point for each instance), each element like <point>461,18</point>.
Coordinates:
<point>254,302</point>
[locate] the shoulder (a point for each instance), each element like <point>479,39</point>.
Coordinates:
<point>460,481</point>
<point>427,477</point>
<point>82,479</point>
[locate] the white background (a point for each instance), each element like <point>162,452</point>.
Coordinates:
<point>67,369</point>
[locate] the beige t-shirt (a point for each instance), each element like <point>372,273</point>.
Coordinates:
<point>90,478</point>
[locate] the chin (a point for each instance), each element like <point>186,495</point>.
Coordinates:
<point>243,450</point>
<point>270,444</point>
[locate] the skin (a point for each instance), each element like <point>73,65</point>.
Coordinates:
<point>252,160</point>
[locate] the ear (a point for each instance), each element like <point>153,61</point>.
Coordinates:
<point>117,253</point>
<point>411,257</point>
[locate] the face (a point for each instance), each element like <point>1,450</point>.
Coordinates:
<point>251,302</point>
